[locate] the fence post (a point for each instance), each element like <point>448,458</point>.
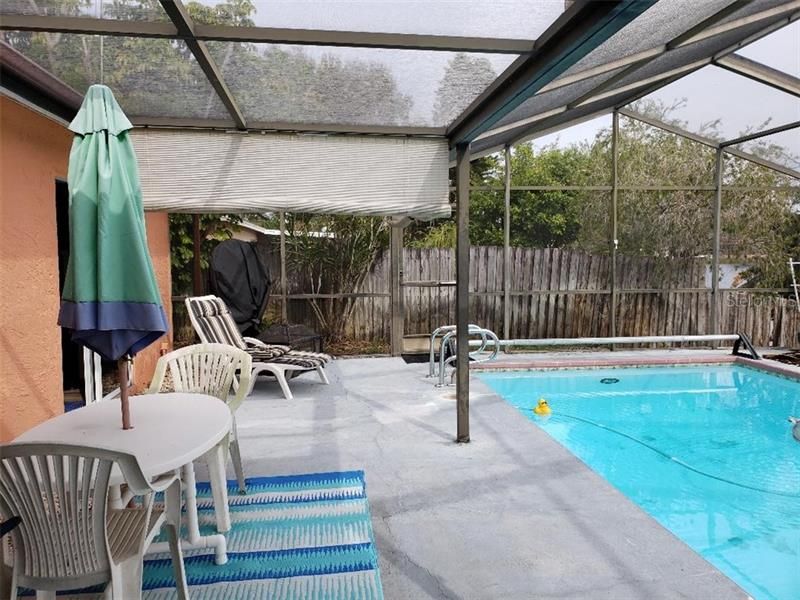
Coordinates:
<point>197,247</point>
<point>395,279</point>
<point>507,250</point>
<point>284,285</point>
<point>462,292</point>
<point>614,241</point>
<point>717,210</point>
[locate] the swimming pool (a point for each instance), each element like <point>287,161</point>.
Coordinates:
<point>707,451</point>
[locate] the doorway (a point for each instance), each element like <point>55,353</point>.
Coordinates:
<point>71,360</point>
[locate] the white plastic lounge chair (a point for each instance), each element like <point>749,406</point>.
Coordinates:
<point>69,537</point>
<point>214,324</point>
<point>209,369</point>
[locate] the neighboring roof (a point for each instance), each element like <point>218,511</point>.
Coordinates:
<point>276,232</point>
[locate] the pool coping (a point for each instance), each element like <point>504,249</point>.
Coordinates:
<point>770,366</point>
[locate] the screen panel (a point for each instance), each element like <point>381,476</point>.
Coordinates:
<point>511,19</point>
<point>128,10</point>
<point>353,86</point>
<point>149,77</point>
<point>748,107</point>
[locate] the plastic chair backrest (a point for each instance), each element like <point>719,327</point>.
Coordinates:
<point>60,492</point>
<point>205,369</point>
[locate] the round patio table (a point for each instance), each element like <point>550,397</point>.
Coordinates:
<point>170,431</point>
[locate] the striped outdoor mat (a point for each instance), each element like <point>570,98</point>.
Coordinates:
<point>292,537</point>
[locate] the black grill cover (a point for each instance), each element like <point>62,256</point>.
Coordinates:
<point>238,276</point>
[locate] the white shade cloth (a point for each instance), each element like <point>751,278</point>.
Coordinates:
<point>226,172</point>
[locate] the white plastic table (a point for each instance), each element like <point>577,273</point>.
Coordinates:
<point>170,431</point>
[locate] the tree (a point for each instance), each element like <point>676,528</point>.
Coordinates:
<point>334,263</point>
<point>757,222</point>
<point>759,225</point>
<point>465,77</point>
<point>160,76</point>
<point>213,230</point>
<point>539,218</point>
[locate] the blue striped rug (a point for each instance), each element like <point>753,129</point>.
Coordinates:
<point>304,537</point>
<point>294,537</point>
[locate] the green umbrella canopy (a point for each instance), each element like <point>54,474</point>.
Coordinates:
<point>111,300</point>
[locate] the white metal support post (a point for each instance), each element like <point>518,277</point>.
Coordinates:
<point>462,292</point>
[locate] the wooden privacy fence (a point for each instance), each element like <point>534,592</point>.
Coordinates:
<point>554,293</point>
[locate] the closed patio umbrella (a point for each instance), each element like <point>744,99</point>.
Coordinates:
<point>111,300</point>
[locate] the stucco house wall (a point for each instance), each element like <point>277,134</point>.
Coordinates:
<point>34,152</point>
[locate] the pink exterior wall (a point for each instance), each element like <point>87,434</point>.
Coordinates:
<point>158,241</point>
<point>33,153</point>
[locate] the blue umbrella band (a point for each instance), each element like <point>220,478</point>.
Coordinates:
<point>114,329</point>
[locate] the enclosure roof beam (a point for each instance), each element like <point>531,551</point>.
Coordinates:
<point>766,30</point>
<point>273,35</point>
<point>773,26</point>
<point>777,11</point>
<point>763,162</point>
<point>638,84</point>
<point>675,42</point>
<point>401,41</point>
<point>760,134</point>
<point>695,34</point>
<point>579,30</point>
<point>285,127</point>
<point>717,145</point>
<point>185,26</point>
<point>524,129</point>
<point>559,118</point>
<point>760,73</point>
<point>669,128</point>
<point>89,26</point>
<point>266,35</point>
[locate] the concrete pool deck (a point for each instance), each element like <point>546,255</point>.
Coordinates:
<point>512,514</point>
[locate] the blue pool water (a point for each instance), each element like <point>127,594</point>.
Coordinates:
<point>707,451</point>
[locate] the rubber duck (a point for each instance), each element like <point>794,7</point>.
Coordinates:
<point>542,408</point>
<point>795,421</point>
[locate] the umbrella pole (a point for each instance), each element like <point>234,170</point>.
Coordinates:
<point>122,366</point>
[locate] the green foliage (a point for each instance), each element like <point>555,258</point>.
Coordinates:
<point>334,254</point>
<point>759,225</point>
<point>439,235</point>
<point>538,218</point>
<point>213,229</point>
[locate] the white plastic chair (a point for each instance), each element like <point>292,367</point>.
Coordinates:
<point>211,369</point>
<point>69,537</point>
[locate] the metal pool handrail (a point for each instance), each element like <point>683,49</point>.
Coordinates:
<point>488,337</point>
<point>444,330</point>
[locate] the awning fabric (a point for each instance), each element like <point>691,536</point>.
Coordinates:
<point>225,172</point>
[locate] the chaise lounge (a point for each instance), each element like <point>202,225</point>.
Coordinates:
<point>214,324</point>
